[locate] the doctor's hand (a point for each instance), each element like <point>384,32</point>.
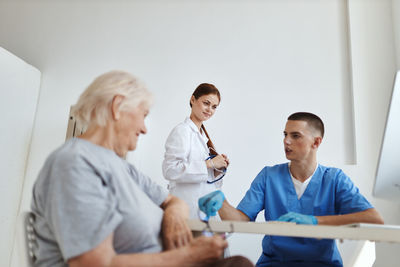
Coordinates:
<point>298,218</point>
<point>218,162</point>
<point>226,159</point>
<point>211,203</point>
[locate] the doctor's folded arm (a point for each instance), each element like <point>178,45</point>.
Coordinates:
<point>300,191</point>
<point>93,208</point>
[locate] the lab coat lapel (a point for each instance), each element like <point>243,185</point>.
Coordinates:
<point>196,131</point>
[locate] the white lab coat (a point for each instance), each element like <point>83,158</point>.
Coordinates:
<point>184,165</point>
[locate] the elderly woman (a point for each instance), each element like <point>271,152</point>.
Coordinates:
<point>93,208</point>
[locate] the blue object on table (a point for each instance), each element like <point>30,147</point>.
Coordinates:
<point>298,218</point>
<point>211,203</point>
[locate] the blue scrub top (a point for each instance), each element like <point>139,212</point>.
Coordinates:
<point>330,192</point>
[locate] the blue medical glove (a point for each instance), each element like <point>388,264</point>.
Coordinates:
<point>298,218</point>
<point>211,203</point>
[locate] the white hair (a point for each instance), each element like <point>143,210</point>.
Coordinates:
<point>94,104</point>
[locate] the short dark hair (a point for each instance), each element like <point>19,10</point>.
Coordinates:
<point>313,120</point>
<point>206,89</point>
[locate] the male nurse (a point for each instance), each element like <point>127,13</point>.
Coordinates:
<point>300,191</point>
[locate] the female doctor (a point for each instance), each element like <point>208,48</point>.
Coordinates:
<point>191,163</point>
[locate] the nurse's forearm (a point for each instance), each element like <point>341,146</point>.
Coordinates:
<point>366,216</point>
<point>228,212</point>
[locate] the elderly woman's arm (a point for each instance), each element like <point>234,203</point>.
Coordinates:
<point>200,250</point>
<point>183,250</point>
<point>175,231</point>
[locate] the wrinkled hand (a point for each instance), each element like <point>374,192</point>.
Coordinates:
<point>175,231</point>
<point>211,203</point>
<point>298,218</point>
<point>207,249</point>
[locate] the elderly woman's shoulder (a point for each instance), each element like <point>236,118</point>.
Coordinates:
<point>73,151</point>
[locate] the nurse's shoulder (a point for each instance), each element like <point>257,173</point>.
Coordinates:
<point>277,169</point>
<point>269,172</point>
<point>332,173</point>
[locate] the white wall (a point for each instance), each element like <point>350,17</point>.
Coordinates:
<point>269,59</point>
<point>19,87</point>
<point>396,29</point>
<point>374,56</point>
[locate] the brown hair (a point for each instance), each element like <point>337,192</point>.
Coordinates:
<point>313,120</point>
<point>207,89</point>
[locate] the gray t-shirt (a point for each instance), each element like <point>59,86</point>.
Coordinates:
<point>84,193</point>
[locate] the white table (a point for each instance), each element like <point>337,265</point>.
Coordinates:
<point>371,232</point>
